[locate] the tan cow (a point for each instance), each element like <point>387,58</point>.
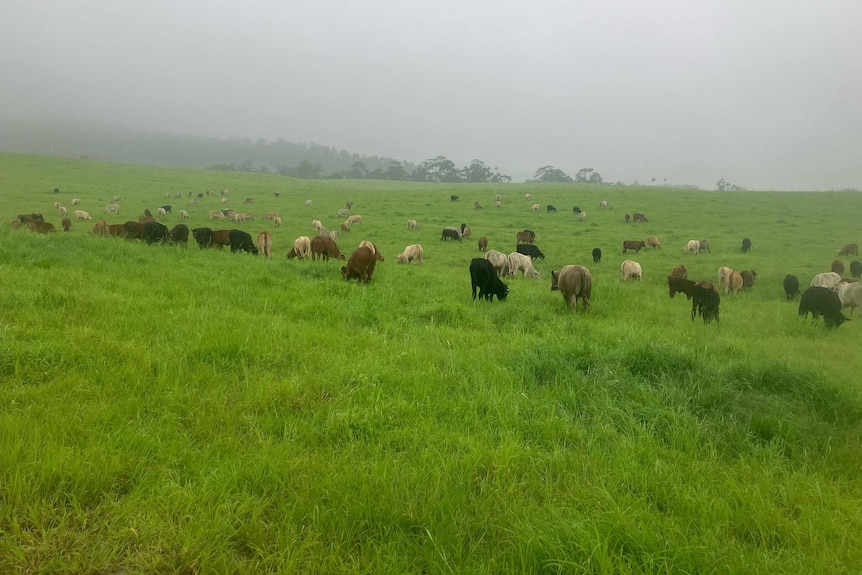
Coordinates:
<point>264,244</point>
<point>631,269</point>
<point>733,281</point>
<point>411,253</point>
<point>574,282</point>
<point>301,248</point>
<point>373,248</point>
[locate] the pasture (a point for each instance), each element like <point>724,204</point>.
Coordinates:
<point>178,410</point>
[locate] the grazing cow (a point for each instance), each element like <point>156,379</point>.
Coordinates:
<point>483,244</point>
<point>360,265</point>
<point>679,271</point>
<point>301,248</point>
<point>220,238</point>
<point>627,218</point>
<point>411,253</point>
<point>264,244</point>
<point>582,216</point>
<point>345,227</point>
<point>118,230</point>
<point>748,278</point>
<point>466,231</point>
<point>161,212</point>
<point>791,286</point>
<point>348,205</point>
<point>498,204</point>
<point>317,226</point>
<point>827,280</point>
<point>184,214</point>
<point>850,295</point>
<point>520,262</point>
<point>412,225</point>
<point>357,219</point>
<point>528,196</point>
<point>41,227</point>
<point>101,228</point>
<point>229,213</point>
<point>733,281</point>
<point>535,207</point>
<point>499,261</point>
<point>639,218</point>
<point>62,210</point>
<point>576,210</point>
<point>838,266</point>
<point>574,283</point>
<point>343,213</point>
<point>597,255</point>
<point>484,276</point>
<point>332,234</point>
<point>677,284</point>
<point>216,215</point>
<point>76,201</point>
<point>67,224</point>
<point>746,245</point>
<point>155,232</point>
<point>692,247</point>
<point>148,213</point>
<point>723,272</point>
<point>134,230</point>
<point>374,249</point>
<point>524,237</point>
<point>855,269</point>
<point>325,248</point>
<point>277,221</point>
<point>450,234</point>
<point>704,245</point>
<point>271,215</point>
<point>603,204</point>
<point>817,301</point>
<point>27,218</point>
<point>551,208</point>
<point>112,208</point>
<point>167,208</point>
<point>453,198</point>
<point>179,234</point>
<point>705,301</point>
<point>653,242</point>
<point>241,241</point>
<point>309,202</point>
<point>477,205</point>
<point>530,250</point>
<point>631,269</point>
<point>81,215</point>
<point>635,245</point>
<point>203,236</point>
<point>849,250</point>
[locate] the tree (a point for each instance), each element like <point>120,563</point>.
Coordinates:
<point>357,170</point>
<point>588,176</point>
<point>395,171</point>
<point>438,169</point>
<point>550,174</point>
<point>723,185</point>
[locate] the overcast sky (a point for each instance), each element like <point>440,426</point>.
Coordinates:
<point>764,93</point>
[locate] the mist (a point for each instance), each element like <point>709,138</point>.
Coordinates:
<point>765,95</point>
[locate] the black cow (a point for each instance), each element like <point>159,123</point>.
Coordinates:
<point>450,234</point>
<point>167,208</point>
<point>453,198</point>
<point>746,245</point>
<point>530,250</point>
<point>705,301</point>
<point>203,236</point>
<point>576,210</point>
<point>484,276</point>
<point>680,285</point>
<point>134,230</point>
<point>241,241</point>
<point>855,269</point>
<point>179,234</point>
<point>551,208</point>
<point>791,286</point>
<point>155,232</point>
<point>818,301</point>
<point>597,255</point>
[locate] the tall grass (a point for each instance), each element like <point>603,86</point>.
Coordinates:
<point>168,409</point>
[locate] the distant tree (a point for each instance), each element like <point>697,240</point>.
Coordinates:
<point>305,170</point>
<point>438,169</point>
<point>357,170</point>
<point>550,174</point>
<point>478,171</point>
<point>723,185</point>
<point>588,176</point>
<point>395,171</point>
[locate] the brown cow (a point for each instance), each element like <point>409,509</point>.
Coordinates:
<point>733,281</point>
<point>678,284</point>
<point>324,248</point>
<point>360,265</point>
<point>483,244</point>
<point>27,218</point>
<point>67,224</point>
<point>264,244</point>
<point>134,230</point>
<point>705,301</point>
<point>635,245</point>
<point>653,242</point>
<point>118,230</point>
<point>477,205</point>
<point>748,278</point>
<point>680,271</point>
<point>639,218</point>
<point>41,227</point>
<point>526,237</point>
<point>221,238</point>
<point>838,267</point>
<point>846,249</point>
<point>574,282</point>
<point>373,247</point>
<point>101,228</point>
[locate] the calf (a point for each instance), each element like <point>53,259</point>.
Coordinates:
<point>360,265</point>
<point>704,245</point>
<point>705,301</point>
<point>791,286</point>
<point>526,236</point>
<point>373,247</point>
<point>41,227</point>
<point>483,244</point>
<point>635,245</point>
<point>67,224</point>
<point>746,245</point>
<point>520,262</point>
<point>827,280</point>
<point>530,250</point>
<point>301,248</point>
<point>576,210</point>
<point>849,250</point>
<point>817,301</point>
<point>597,255</point>
<point>653,242</point>
<point>220,238</point>
<point>733,281</point>
<point>241,241</point>
<point>574,282</point>
<point>450,234</point>
<point>412,225</point>
<point>679,271</point>
<point>203,236</point>
<point>484,276</point>
<point>264,244</point>
<point>692,247</point>
<point>101,228</point>
<point>551,208</point>
<point>639,218</point>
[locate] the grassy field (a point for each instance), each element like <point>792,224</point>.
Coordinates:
<point>177,410</point>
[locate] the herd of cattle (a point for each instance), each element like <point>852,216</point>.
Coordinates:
<point>827,295</point>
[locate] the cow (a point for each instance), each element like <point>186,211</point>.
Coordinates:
<point>220,238</point>
<point>477,205</point>
<point>203,236</point>
<point>229,213</point>
<point>167,208</point>
<point>723,272</point>
<point>631,269</point>
<point>450,234</point>
<point>241,241</point>
<point>62,210</point>
<point>301,248</point>
<point>653,242</point>
<point>838,266</point>
<point>145,219</point>
<point>184,214</point>
<point>112,209</point>
<point>155,232</point>
<point>573,282</point>
<point>179,234</point>
<point>604,204</point>
<point>550,208</point>
<point>76,201</point>
<point>582,216</point>
<point>360,265</point>
<point>791,286</point>
<point>520,262</point>
<point>484,276</point>
<point>317,226</point>
<point>27,218</point>
<point>161,212</point>
<point>498,204</point>
<point>81,215</point>
<point>576,210</point>
<point>499,261</point>
<point>466,231</point>
<point>118,230</point>
<point>639,218</point>
<point>530,250</point>
<point>535,207</point>
<point>528,196</point>
<point>41,227</point>
<point>101,228</point>
<point>356,219</point>
<point>348,205</point>
<point>216,215</point>
<point>733,281</point>
<point>331,234</point>
<point>855,269</point>
<point>412,225</point>
<point>264,244</point>
<point>345,227</point>
<point>705,301</point>
<point>116,199</point>
<point>627,217</point>
<point>748,278</point>
<point>483,244</point>
<point>679,271</point>
<point>309,202</point>
<point>273,215</point>
<point>746,245</point>
<point>325,248</point>
<point>342,213</point>
<point>635,245</point>
<point>597,255</point>
<point>134,230</point>
<point>525,237</point>
<point>678,284</point>
<point>849,250</point>
<point>411,253</point>
<point>374,249</point>
<point>148,213</point>
<point>67,224</point>
<point>827,280</point>
<point>819,300</point>
<point>704,245</point>
<point>850,295</point>
<point>453,198</point>
<point>692,247</point>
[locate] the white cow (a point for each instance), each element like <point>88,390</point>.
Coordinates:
<point>850,295</point>
<point>582,216</point>
<point>723,274</point>
<point>499,261</point>
<point>524,264</point>
<point>184,214</point>
<point>301,248</point>
<point>692,247</point>
<point>354,220</point>
<point>411,253</point>
<point>343,213</point>
<point>162,213</point>
<point>216,215</point>
<point>317,226</point>
<point>62,210</point>
<point>827,280</point>
<point>412,225</point>
<point>76,201</point>
<point>81,215</point>
<point>112,208</point>
<point>308,202</point>
<point>535,207</point>
<point>631,269</point>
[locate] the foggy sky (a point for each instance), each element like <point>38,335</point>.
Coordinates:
<point>764,93</point>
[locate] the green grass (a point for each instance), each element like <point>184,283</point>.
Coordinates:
<point>170,410</point>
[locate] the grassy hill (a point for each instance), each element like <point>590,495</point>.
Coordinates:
<point>170,409</point>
